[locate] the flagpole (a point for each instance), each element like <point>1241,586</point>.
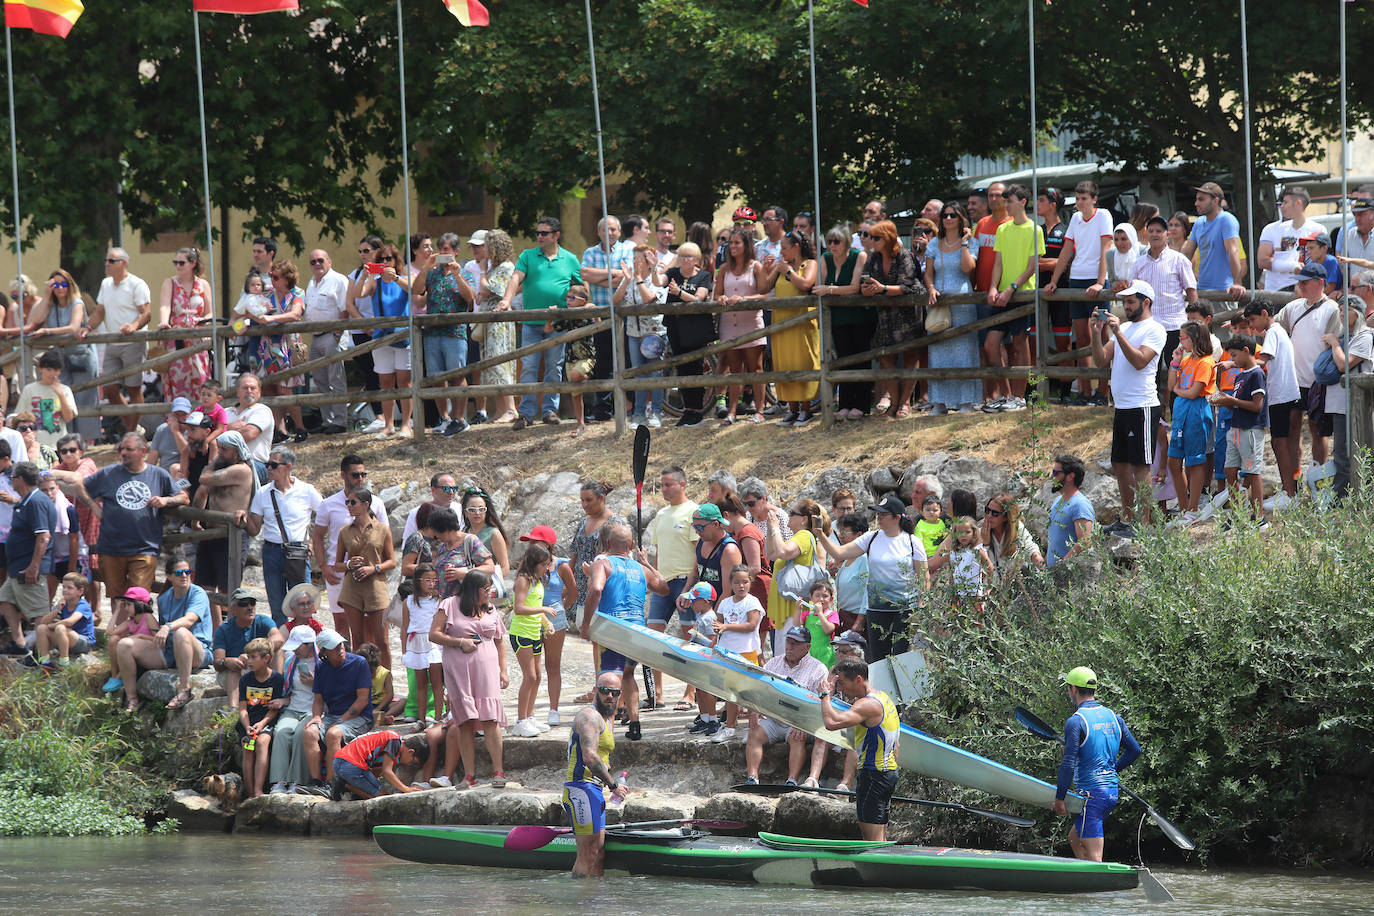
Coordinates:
<point>1044,332</point>
<point>1251,254</point>
<point>18,247</point>
<point>216,361</point>
<point>605,214</point>
<point>815,141</point>
<point>417,409</point>
<point>1345,230</point>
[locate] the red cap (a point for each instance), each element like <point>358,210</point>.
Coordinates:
<point>541,533</point>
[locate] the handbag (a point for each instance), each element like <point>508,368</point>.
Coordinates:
<point>938,318</point>
<point>296,554</point>
<point>478,332</point>
<point>794,580</point>
<point>296,349</point>
<point>1324,369</point>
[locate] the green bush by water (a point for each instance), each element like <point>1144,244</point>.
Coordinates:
<point>1242,660</point>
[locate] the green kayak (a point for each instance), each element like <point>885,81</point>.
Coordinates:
<point>772,859</point>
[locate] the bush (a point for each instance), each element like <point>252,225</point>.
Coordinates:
<point>1243,661</point>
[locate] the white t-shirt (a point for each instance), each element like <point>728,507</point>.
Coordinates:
<point>1289,251</point>
<point>1087,238</point>
<point>46,405</point>
<point>1306,333</point>
<point>893,569</point>
<point>1362,346</point>
<point>410,526</point>
<point>325,300</point>
<point>296,504</point>
<point>1132,387</point>
<point>1282,377</point>
<point>332,515</point>
<point>121,301</point>
<point>731,611</point>
<point>259,415</point>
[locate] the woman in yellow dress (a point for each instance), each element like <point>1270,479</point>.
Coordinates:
<point>794,274</point>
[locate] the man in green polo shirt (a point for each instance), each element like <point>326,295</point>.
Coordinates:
<point>543,274</point>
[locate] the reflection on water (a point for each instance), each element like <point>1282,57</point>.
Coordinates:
<point>199,873</point>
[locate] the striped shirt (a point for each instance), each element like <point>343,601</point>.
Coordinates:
<point>1170,274</point>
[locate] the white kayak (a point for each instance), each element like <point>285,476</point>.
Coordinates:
<point>734,678</point>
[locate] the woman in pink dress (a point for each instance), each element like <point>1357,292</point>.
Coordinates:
<point>186,300</point>
<point>473,637</point>
<point>740,278</point>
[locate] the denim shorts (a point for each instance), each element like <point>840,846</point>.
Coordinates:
<point>443,352</point>
<point>356,776</point>
<point>661,607</point>
<point>169,656</point>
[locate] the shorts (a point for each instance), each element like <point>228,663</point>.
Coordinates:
<point>1281,418</point>
<point>169,656</point>
<point>120,573</point>
<point>1081,311</point>
<point>1008,328</point>
<point>212,564</point>
<point>560,617</point>
<point>1133,435</point>
<point>32,600</point>
<point>1245,449</point>
<point>873,795</point>
<point>127,358</point>
<point>352,729</point>
<point>1326,425</point>
<point>1219,451</point>
<point>524,642</point>
<point>586,807</point>
<point>444,352</point>
<point>612,660</point>
<point>1099,803</point>
<point>356,776</point>
<point>79,644</point>
<point>390,360</point>
<point>661,607</point>
<point>1162,373</point>
<point>242,733</point>
<point>773,730</point>
<point>1190,435</point>
<point>1060,318</point>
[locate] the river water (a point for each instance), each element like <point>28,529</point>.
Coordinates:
<point>267,875</point>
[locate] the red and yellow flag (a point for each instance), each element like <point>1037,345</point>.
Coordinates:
<point>244,7</point>
<point>47,17</point>
<point>468,12</point>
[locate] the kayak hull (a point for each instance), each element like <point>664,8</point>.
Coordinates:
<point>749,860</point>
<point>733,677</point>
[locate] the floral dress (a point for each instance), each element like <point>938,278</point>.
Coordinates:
<point>583,550</point>
<point>274,351</point>
<point>500,337</point>
<point>184,377</point>
<point>897,323</point>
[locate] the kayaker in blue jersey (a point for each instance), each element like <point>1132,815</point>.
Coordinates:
<point>876,730</point>
<point>589,759</point>
<point>617,585</point>
<point>1097,746</point>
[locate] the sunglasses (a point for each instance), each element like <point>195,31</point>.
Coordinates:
<point>68,451</point>
<point>867,235</point>
<point>353,502</point>
<point>543,233</point>
<point>357,475</point>
<point>996,513</point>
<point>475,510</point>
<point>113,260</point>
<point>608,691</point>
<point>699,526</point>
<point>450,490</point>
<point>26,428</point>
<point>273,465</point>
<point>316,261</point>
<point>751,503</point>
<point>61,284</point>
<point>181,572</point>
<point>179,262</point>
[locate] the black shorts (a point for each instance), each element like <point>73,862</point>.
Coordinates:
<point>1162,372</point>
<point>524,642</point>
<point>873,791</point>
<point>1281,417</point>
<point>1082,311</point>
<point>212,563</point>
<point>1133,435</point>
<point>1060,317</point>
<point>1326,425</point>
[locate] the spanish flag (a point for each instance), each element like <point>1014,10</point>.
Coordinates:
<point>46,17</point>
<point>468,12</point>
<point>244,7</point>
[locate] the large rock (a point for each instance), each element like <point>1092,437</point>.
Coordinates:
<point>161,685</point>
<point>198,715</point>
<point>882,481</point>
<point>804,814</point>
<point>755,811</point>
<point>195,812</point>
<point>658,806</point>
<point>544,499</point>
<point>460,806</point>
<point>410,808</point>
<point>961,473</point>
<point>345,818</point>
<point>831,479</point>
<point>520,807</point>
<point>281,813</point>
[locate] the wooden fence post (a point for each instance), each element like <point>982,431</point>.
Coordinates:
<point>417,371</point>
<point>618,377</point>
<point>827,348</point>
<point>1044,333</point>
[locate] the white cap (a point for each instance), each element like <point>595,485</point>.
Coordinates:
<point>298,637</point>
<point>1139,288</point>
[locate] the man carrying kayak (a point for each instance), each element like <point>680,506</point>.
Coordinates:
<point>876,730</point>
<point>589,758</point>
<point>1097,745</point>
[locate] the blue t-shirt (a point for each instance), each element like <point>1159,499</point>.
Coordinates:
<point>128,525</point>
<point>1210,235</point>
<point>32,514</point>
<point>1063,515</point>
<point>195,601</point>
<point>339,686</point>
<point>86,625</point>
<point>1249,381</point>
<point>231,637</point>
<point>1333,269</point>
<point>622,597</point>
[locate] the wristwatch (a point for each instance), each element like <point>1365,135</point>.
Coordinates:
<point>1014,287</point>
<point>823,694</point>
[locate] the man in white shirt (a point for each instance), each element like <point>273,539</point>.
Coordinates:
<point>332,517</point>
<point>1170,275</point>
<point>665,230</point>
<point>286,502</point>
<point>1283,243</point>
<point>326,299</point>
<point>774,227</point>
<point>442,488</point>
<point>1132,350</point>
<point>253,421</point>
<point>1281,381</point>
<point>1084,257</point>
<point>123,305</point>
<point>1306,319</point>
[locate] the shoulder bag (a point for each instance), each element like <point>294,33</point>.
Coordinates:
<point>795,580</point>
<point>296,554</point>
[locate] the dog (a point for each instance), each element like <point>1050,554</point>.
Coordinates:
<point>225,788</point>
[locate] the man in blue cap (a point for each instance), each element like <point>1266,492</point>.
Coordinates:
<point>1097,745</point>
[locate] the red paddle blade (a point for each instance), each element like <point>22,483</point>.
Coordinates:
<point>528,837</point>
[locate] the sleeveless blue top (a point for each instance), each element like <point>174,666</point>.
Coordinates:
<point>625,589</point>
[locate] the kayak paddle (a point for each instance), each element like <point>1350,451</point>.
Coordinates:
<point>639,464</point>
<point>1041,729</point>
<point>530,836</point>
<point>1011,819</point>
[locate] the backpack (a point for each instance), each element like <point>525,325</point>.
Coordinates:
<point>1325,371</point>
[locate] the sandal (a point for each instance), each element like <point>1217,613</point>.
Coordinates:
<point>467,782</point>
<point>498,780</point>
<point>180,700</point>
<point>756,418</point>
<point>683,706</point>
<point>883,406</point>
<point>902,413</point>
<point>132,706</point>
<point>727,421</point>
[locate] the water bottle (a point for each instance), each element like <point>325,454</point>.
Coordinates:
<point>616,800</point>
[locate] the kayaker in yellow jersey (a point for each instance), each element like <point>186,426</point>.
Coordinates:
<point>876,730</point>
<point>589,759</point>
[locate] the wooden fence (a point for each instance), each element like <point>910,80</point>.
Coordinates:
<point>833,369</point>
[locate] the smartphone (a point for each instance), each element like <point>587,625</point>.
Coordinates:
<point>477,637</point>
<point>443,259</point>
<point>374,268</point>
<point>1101,314</point>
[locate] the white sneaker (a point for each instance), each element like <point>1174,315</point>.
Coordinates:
<point>441,782</point>
<point>555,718</point>
<point>1268,503</point>
<point>723,734</point>
<point>1205,511</point>
<point>842,787</point>
<point>655,421</point>
<point>542,726</point>
<point>636,421</point>
<point>418,785</point>
<point>1282,500</point>
<point>278,788</point>
<point>525,728</point>
<point>1220,499</point>
<point>375,426</point>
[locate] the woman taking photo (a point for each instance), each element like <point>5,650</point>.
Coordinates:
<point>360,306</point>
<point>891,271</point>
<point>63,311</point>
<point>809,525</point>
<point>446,292</point>
<point>850,327</point>
<point>364,556</point>
<point>186,301</point>
<point>285,304</point>
<point>499,336</point>
<point>390,294</point>
<point>740,279</point>
<point>473,637</point>
<point>688,282</point>
<point>794,274</point>
<point>950,258</point>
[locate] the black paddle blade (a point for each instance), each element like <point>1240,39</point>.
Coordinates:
<point>1037,725</point>
<point>774,789</point>
<point>640,461</point>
